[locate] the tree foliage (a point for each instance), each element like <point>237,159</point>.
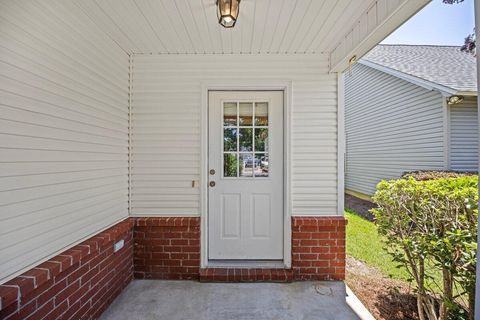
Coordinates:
<point>470,44</point>
<point>452,1</point>
<point>431,228</point>
<point>470,41</point>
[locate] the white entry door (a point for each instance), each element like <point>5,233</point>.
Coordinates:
<point>245,198</point>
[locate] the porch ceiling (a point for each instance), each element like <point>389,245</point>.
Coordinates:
<point>263,26</point>
<point>190,26</point>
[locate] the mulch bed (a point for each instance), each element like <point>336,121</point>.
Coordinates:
<point>385,298</point>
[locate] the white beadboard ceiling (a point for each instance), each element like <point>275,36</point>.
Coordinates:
<point>190,26</point>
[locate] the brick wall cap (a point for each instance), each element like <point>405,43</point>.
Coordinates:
<point>167,221</point>
<point>318,221</point>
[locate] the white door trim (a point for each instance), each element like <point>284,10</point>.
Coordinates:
<point>239,85</point>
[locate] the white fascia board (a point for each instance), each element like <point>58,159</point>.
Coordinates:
<point>352,44</point>
<point>446,91</point>
<point>467,93</point>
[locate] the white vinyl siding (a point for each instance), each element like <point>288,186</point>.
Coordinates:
<point>166,129</point>
<point>464,135</point>
<point>392,126</point>
<point>63,131</point>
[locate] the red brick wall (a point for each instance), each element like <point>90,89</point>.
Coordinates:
<point>78,283</point>
<point>318,248</point>
<point>82,281</point>
<point>167,248</point>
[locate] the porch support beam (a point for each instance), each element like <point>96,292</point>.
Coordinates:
<point>380,19</point>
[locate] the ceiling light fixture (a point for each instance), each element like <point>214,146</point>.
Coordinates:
<point>227,12</point>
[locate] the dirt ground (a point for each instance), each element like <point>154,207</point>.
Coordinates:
<point>385,298</point>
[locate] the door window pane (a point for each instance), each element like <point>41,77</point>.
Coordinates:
<point>246,113</point>
<point>261,165</point>
<point>261,114</point>
<point>246,165</point>
<point>261,139</point>
<point>246,139</point>
<point>230,114</point>
<point>230,165</point>
<point>230,139</point>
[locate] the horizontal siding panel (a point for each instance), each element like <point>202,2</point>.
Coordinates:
<point>8,169</point>
<point>79,228</point>
<point>464,136</point>
<point>166,129</point>
<point>392,126</point>
<point>63,131</point>
<point>46,191</point>
<point>91,117</point>
<point>34,207</point>
<point>42,216</point>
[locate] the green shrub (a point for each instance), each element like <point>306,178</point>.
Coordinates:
<point>430,227</point>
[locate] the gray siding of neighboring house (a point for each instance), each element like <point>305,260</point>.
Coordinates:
<point>464,136</point>
<point>392,126</point>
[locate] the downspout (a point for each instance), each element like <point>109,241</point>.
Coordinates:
<point>477,283</point>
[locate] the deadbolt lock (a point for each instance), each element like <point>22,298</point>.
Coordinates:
<point>212,183</point>
<point>212,171</point>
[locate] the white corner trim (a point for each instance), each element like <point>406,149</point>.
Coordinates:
<point>412,79</point>
<point>247,85</point>
<point>340,143</point>
<point>446,133</point>
<point>130,131</point>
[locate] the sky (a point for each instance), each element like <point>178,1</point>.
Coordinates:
<point>437,23</point>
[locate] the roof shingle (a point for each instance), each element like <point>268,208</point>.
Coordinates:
<point>443,65</point>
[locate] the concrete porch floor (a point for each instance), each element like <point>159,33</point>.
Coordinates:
<point>186,300</point>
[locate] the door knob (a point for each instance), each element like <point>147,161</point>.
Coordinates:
<point>212,183</point>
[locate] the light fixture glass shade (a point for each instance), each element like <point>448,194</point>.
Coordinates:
<point>227,12</point>
<point>454,99</point>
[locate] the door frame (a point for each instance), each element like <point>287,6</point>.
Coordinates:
<point>239,85</point>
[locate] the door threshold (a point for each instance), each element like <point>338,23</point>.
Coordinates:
<point>246,264</point>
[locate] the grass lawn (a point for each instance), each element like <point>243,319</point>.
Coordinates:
<point>365,244</point>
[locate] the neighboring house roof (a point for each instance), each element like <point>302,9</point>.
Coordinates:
<point>444,68</point>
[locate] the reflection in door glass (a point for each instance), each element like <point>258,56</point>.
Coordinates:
<point>246,165</point>
<point>245,139</point>
<point>230,165</point>
<point>246,113</point>
<point>261,139</point>
<point>261,165</point>
<point>261,114</point>
<point>230,114</point>
<point>230,139</point>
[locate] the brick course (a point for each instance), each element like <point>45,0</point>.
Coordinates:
<point>79,283</point>
<point>246,275</point>
<point>167,248</point>
<point>318,248</point>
